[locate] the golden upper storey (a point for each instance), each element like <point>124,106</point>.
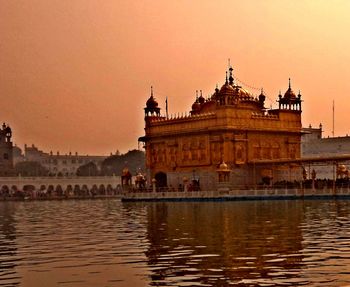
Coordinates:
<point>231,96</point>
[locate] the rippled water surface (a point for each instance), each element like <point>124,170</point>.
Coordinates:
<point>109,243</point>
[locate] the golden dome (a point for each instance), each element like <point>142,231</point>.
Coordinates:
<point>223,166</point>
<point>241,92</point>
<point>342,167</point>
<point>226,89</point>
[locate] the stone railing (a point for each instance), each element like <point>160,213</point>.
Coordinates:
<point>236,194</point>
<point>44,182</point>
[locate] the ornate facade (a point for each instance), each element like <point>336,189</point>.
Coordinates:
<point>231,126</point>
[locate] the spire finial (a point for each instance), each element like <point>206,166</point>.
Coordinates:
<point>262,91</point>
<point>196,94</point>
<point>226,78</point>
<point>201,92</point>
<point>289,83</point>
<point>151,91</point>
<point>231,75</point>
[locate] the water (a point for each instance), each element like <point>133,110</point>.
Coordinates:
<point>109,243</point>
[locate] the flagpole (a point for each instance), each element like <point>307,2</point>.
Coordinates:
<point>333,119</point>
<point>166,107</point>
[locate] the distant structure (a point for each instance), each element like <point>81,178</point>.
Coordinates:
<point>226,139</point>
<point>314,145</point>
<point>6,151</point>
<point>57,164</point>
<point>18,155</point>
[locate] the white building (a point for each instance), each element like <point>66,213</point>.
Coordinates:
<point>58,164</point>
<point>314,145</point>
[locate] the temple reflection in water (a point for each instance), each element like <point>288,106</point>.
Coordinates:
<point>8,246</point>
<point>227,242</point>
<point>110,243</point>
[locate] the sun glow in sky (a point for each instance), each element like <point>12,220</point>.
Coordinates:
<point>75,75</point>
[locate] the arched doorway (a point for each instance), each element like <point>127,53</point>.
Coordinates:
<point>161,179</point>
<point>102,189</point>
<point>59,190</point>
<point>5,190</point>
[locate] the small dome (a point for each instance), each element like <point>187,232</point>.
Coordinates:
<point>151,103</point>
<point>196,106</point>
<point>201,99</point>
<point>262,97</point>
<point>8,129</point>
<point>289,94</point>
<point>242,93</point>
<point>223,166</point>
<point>226,89</point>
<point>342,167</point>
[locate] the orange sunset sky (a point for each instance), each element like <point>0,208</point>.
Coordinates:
<point>75,75</point>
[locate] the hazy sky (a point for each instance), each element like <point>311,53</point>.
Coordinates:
<point>75,75</point>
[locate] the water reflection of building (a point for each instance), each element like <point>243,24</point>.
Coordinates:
<point>230,126</point>
<point>224,241</point>
<point>8,246</point>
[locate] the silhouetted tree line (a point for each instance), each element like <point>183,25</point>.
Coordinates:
<point>134,160</point>
<point>88,169</point>
<point>30,168</point>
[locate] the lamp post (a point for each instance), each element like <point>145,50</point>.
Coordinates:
<point>195,183</point>
<point>154,184</point>
<point>185,181</point>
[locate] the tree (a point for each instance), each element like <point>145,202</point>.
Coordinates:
<point>133,159</point>
<point>89,169</point>
<point>30,168</point>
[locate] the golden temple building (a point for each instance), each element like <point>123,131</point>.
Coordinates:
<point>222,138</point>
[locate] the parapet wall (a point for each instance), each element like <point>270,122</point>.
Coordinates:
<point>232,195</point>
